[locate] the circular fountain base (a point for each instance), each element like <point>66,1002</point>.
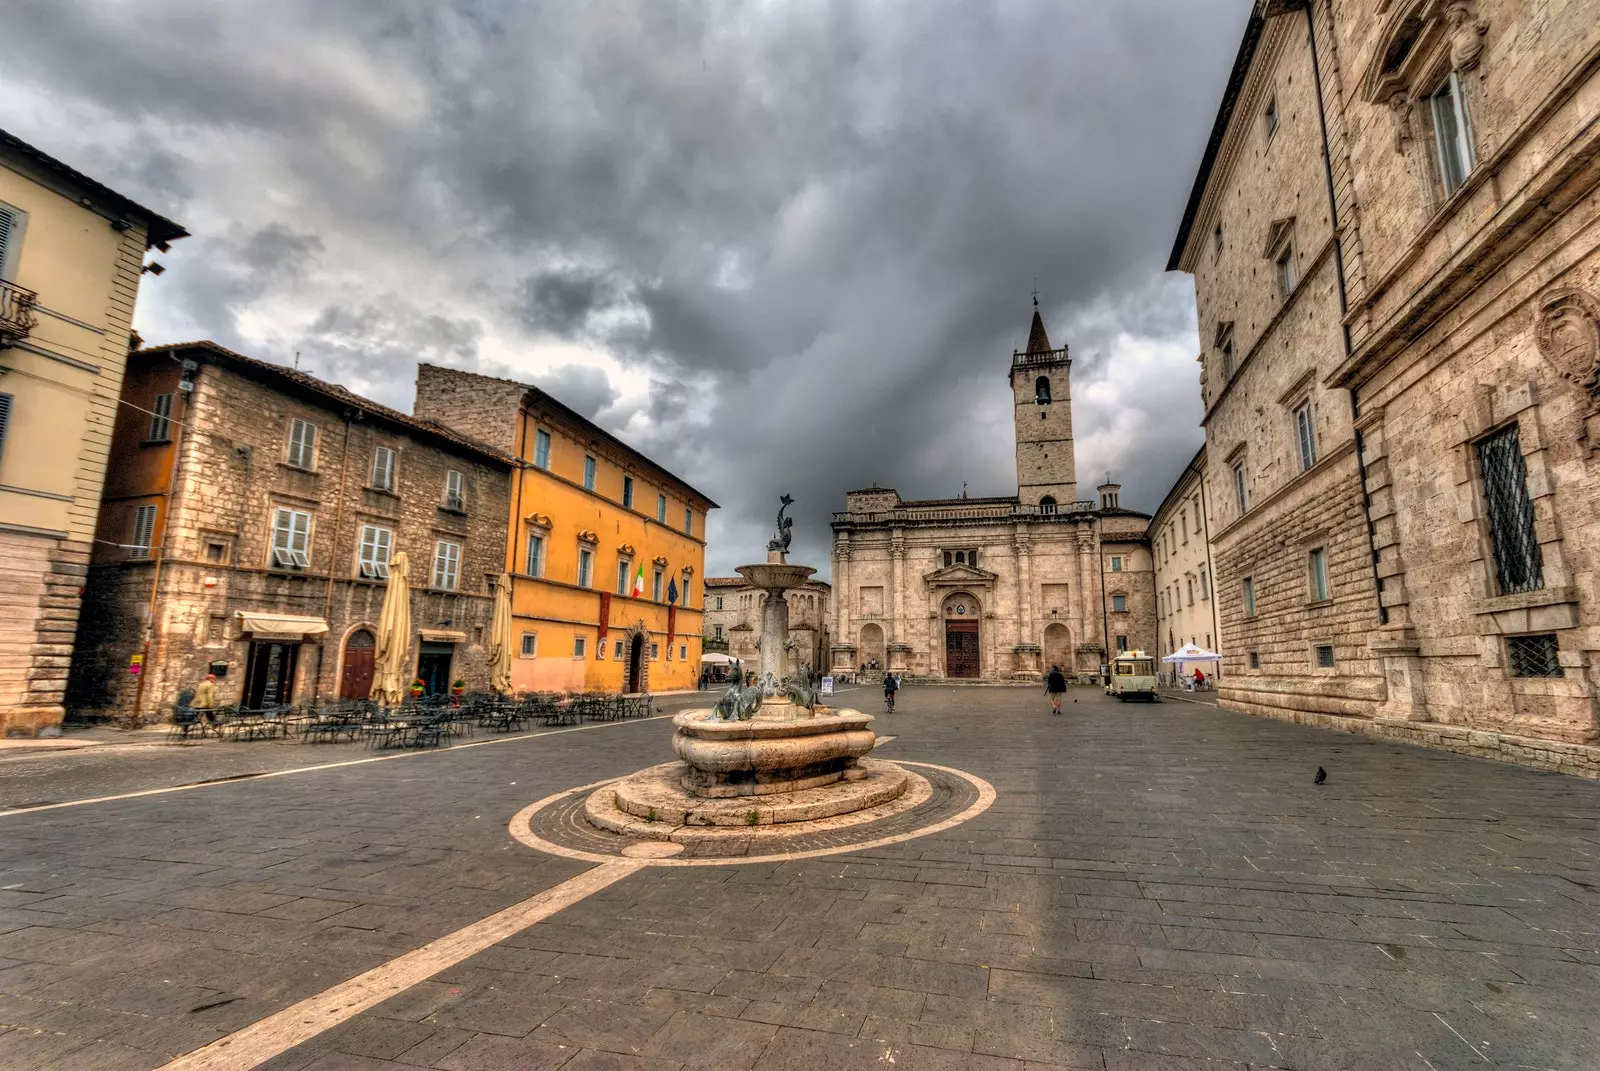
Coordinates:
<point>654,804</point>
<point>780,750</point>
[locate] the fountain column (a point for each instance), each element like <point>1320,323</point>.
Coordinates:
<point>774,633</point>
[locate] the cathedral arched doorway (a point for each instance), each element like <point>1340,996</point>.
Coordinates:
<point>1057,647</point>
<point>872,650</point>
<point>961,629</point>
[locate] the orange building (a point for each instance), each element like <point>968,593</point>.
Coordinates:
<point>605,547</point>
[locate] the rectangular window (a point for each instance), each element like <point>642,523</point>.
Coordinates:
<point>683,590</point>
<point>1122,644</point>
<point>10,239</point>
<point>291,539</point>
<point>616,652</point>
<point>655,586</point>
<point>717,630</point>
<point>530,645</point>
<point>541,449</point>
<point>373,561</point>
<point>719,606</point>
<point>1227,358</point>
<point>1270,116</point>
<point>580,646</point>
<point>1119,604</point>
<point>1184,518</point>
<point>624,574</point>
<point>1324,656</point>
<point>1305,437</point>
<point>683,652</point>
<point>144,528</point>
<point>661,508</point>
<point>588,474</point>
<point>585,566</point>
<point>1519,565</point>
<point>1116,565</point>
<point>535,555</point>
<point>1248,590</point>
<point>302,443</point>
<point>1188,582</point>
<point>1286,276</point>
<point>627,492</point>
<point>383,469</point>
<point>215,551</point>
<point>1241,496</point>
<point>688,521</point>
<point>655,651</point>
<point>5,399</point>
<point>160,419</point>
<point>1255,659</point>
<point>1452,136</point>
<point>453,496</point>
<point>1533,656</point>
<point>1205,588</point>
<point>1318,565</point>
<point>446,565</point>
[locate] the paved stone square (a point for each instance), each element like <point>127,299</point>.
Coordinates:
<point>1155,886</point>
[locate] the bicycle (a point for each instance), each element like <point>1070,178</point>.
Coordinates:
<point>888,700</point>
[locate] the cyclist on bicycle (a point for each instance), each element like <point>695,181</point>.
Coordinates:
<point>891,685</point>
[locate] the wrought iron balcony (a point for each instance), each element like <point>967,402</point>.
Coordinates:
<point>17,318</point>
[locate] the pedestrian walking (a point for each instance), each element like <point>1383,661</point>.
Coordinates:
<point>205,699</point>
<point>1055,685</point>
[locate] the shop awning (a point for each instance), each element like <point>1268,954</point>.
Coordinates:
<point>263,626</point>
<point>442,635</point>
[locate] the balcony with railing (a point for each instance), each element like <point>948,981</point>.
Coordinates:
<point>17,318</point>
<point>1003,511</point>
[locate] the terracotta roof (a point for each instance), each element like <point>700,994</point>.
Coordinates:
<point>335,393</point>
<point>159,229</point>
<point>1038,341</point>
<point>725,581</point>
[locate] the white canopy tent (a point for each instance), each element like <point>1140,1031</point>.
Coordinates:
<point>716,658</point>
<point>1190,653</point>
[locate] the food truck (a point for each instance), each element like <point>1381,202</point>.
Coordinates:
<point>1133,676</point>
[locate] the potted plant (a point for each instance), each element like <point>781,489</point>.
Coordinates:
<point>417,688</point>
<point>457,687</point>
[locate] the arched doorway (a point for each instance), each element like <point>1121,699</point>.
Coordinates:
<point>961,616</point>
<point>356,680</point>
<point>872,646</point>
<point>1057,647</point>
<point>636,663</point>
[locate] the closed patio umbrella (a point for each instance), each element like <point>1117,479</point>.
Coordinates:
<point>500,637</point>
<point>390,662</point>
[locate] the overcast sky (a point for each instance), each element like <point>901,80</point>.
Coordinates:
<point>780,247</point>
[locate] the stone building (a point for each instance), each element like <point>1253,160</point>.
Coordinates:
<point>733,623</point>
<point>1180,544</point>
<point>606,547</point>
<point>1433,170</point>
<point>997,588</point>
<point>248,524</point>
<point>71,260</point>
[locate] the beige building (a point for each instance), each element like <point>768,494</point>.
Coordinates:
<point>1396,254</point>
<point>1186,611</point>
<point>997,588</point>
<point>733,623</point>
<point>71,257</point>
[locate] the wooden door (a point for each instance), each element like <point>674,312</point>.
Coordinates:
<point>961,648</point>
<point>356,681</point>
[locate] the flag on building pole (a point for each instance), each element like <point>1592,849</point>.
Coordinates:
<point>672,591</point>
<point>638,584</point>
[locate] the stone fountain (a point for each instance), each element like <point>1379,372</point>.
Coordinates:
<point>764,755</point>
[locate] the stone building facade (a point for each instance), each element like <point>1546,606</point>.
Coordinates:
<point>248,523</point>
<point>1180,545</point>
<point>997,588</point>
<point>71,260</point>
<point>1447,325</point>
<point>733,623</point>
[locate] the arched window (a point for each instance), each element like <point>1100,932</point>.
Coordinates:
<point>1047,504</point>
<point>1041,390</point>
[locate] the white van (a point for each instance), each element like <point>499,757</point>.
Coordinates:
<point>1133,676</point>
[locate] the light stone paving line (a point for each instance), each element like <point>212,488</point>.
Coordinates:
<point>246,778</point>
<point>299,1023</point>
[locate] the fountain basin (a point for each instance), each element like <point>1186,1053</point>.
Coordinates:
<point>766,756</point>
<point>653,804</point>
<point>776,576</point>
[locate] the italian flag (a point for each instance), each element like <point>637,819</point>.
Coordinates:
<point>638,583</point>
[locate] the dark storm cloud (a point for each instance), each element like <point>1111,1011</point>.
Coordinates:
<point>804,233</point>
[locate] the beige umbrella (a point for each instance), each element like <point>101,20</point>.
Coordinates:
<point>390,662</point>
<point>500,637</point>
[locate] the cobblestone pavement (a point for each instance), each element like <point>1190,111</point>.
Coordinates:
<point>1157,886</point>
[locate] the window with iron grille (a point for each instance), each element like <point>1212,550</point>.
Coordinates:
<point>1518,564</point>
<point>302,443</point>
<point>373,561</point>
<point>383,468</point>
<point>446,565</point>
<point>1325,656</point>
<point>160,419</point>
<point>1533,656</point>
<point>144,526</point>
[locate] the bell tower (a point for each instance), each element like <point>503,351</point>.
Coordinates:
<point>1041,391</point>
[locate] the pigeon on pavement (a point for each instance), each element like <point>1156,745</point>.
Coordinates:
<point>1322,775</point>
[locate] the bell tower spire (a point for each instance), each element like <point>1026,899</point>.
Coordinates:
<point>1041,390</point>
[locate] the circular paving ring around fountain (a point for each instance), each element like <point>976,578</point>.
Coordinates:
<point>935,798</point>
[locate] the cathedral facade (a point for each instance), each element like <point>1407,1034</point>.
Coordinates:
<point>997,588</point>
